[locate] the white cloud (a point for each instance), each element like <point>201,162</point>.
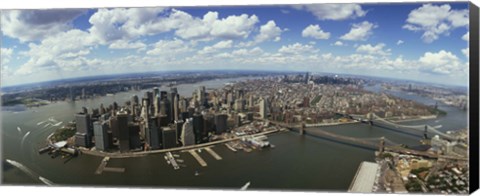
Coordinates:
<point>30,25</point>
<point>64,51</point>
<point>338,43</point>
<point>399,42</point>
<point>316,32</point>
<point>123,44</point>
<point>125,23</point>
<point>374,50</point>
<point>269,31</point>
<point>333,11</point>
<point>435,20</point>
<point>169,48</point>
<point>297,48</point>
<point>359,31</point>
<point>442,62</point>
<point>466,37</point>
<point>5,55</point>
<point>218,46</point>
<point>466,52</point>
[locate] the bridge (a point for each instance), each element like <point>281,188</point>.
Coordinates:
<point>379,143</point>
<point>415,129</point>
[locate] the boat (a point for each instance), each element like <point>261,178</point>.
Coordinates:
<point>19,129</point>
<point>196,173</point>
<point>244,187</point>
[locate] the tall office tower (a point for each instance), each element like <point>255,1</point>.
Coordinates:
<point>149,96</point>
<point>134,136</point>
<point>156,92</point>
<point>237,120</point>
<point>307,78</point>
<point>239,105</point>
<point>198,127</point>
<point>102,109</point>
<point>171,99</point>
<point>156,105</point>
<point>115,106</point>
<point>184,116</point>
<point>182,104</point>
<point>152,134</point>
<point>202,100</point>
<point>176,111</point>
<point>178,128</point>
<point>72,96</point>
<point>144,113</point>
<point>84,129</point>
<point>221,123</point>
<point>165,109</point>
<point>169,137</point>
<point>230,98</point>
<point>114,126</point>
<point>208,124</point>
<point>100,130</point>
<point>163,120</point>
<point>250,116</point>
<point>250,101</point>
<point>163,95</point>
<point>263,108</point>
<point>135,100</point>
<point>188,137</point>
<point>123,131</point>
<point>83,93</point>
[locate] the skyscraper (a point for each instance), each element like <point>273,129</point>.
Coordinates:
<point>263,108</point>
<point>178,128</point>
<point>221,123</point>
<point>169,137</point>
<point>152,134</point>
<point>176,111</point>
<point>201,96</point>
<point>100,129</point>
<point>123,132</point>
<point>187,137</point>
<point>84,129</point>
<point>198,127</point>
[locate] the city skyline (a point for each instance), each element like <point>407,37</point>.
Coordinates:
<point>422,42</point>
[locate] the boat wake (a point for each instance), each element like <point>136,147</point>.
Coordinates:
<point>46,181</point>
<point>24,137</point>
<point>22,168</point>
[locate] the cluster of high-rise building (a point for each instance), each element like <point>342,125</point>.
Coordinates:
<point>161,120</point>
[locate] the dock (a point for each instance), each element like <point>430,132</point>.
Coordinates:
<point>102,165</point>
<point>213,153</point>
<point>199,159</point>
<point>114,169</point>
<point>364,179</point>
<point>172,161</point>
<point>230,147</point>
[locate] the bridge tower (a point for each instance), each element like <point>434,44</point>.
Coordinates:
<point>381,146</point>
<point>425,136</point>
<point>370,118</point>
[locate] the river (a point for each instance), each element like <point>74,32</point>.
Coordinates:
<point>296,163</point>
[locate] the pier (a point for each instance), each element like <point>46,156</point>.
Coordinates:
<point>199,159</point>
<point>172,161</point>
<point>213,153</point>
<point>102,165</point>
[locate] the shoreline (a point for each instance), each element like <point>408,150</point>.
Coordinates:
<point>145,153</point>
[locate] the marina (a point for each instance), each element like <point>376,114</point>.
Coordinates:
<point>171,160</point>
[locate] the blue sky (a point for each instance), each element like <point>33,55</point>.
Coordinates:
<point>414,41</point>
